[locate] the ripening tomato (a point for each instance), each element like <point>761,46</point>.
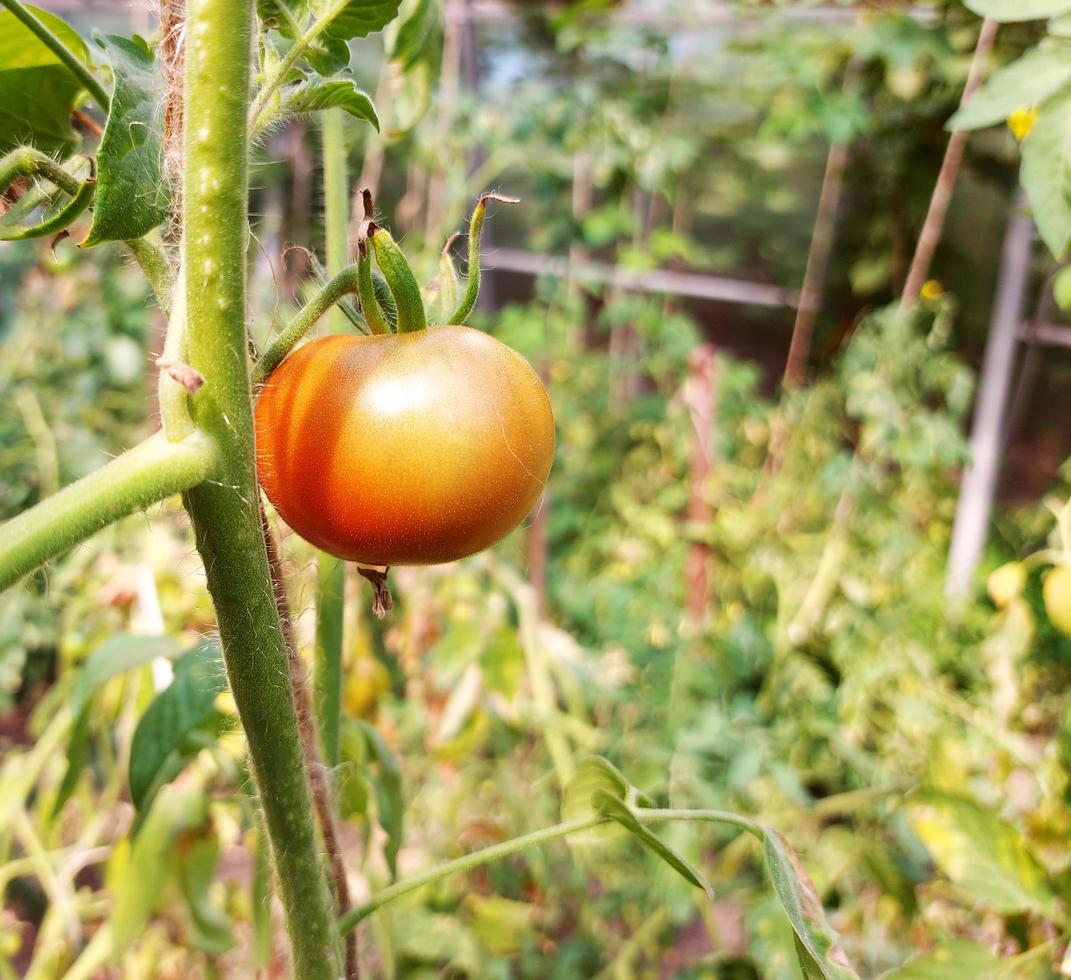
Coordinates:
<point>404,449</point>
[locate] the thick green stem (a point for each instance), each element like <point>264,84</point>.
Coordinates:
<point>61,51</point>
<point>331,572</point>
<point>146,474</point>
<point>342,284</point>
<point>400,279</point>
<point>336,203</point>
<point>507,848</point>
<point>472,287</point>
<point>226,516</point>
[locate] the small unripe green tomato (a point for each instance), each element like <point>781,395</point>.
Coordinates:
<point>1006,583</point>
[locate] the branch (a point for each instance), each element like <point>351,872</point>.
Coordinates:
<point>946,178</point>
<point>146,474</point>
<point>61,51</point>
<point>507,848</point>
<point>344,283</point>
<point>25,161</point>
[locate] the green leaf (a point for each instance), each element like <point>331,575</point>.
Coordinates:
<point>176,711</point>
<point>1046,172</point>
<point>359,18</point>
<point>211,927</point>
<point>371,771</point>
<point>120,653</point>
<point>37,92</point>
<point>819,953</point>
<point>1007,11</point>
<point>132,195</point>
<point>137,872</point>
<point>316,94</point>
<point>960,958</point>
<point>599,788</point>
<point>982,854</point>
<point>328,55</point>
<point>1022,84</point>
<point>414,35</point>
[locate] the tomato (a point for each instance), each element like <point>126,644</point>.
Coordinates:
<point>404,449</point>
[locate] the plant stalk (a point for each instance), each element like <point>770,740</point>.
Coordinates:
<point>150,472</point>
<point>225,513</point>
<point>330,572</point>
<point>342,284</point>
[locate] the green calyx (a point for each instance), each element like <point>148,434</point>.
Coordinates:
<point>472,289</point>
<point>401,305</point>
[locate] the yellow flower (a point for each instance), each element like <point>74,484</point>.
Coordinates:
<point>931,290</point>
<point>1021,122</point>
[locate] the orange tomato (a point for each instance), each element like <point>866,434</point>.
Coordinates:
<point>404,449</point>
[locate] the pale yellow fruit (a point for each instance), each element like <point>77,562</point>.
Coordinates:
<point>1057,593</point>
<point>1005,583</point>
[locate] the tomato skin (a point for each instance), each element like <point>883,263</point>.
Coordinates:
<point>404,449</point>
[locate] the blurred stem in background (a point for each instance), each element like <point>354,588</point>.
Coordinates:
<point>331,573</point>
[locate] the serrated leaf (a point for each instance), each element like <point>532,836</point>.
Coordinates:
<point>328,55</point>
<point>318,94</point>
<point>1046,172</point>
<point>982,854</point>
<point>817,949</point>
<point>1024,83</point>
<point>1007,11</point>
<point>359,18</point>
<point>178,709</point>
<point>132,196</point>
<point>37,91</point>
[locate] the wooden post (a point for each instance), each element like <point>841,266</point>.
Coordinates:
<point>979,484</point>
<point>699,397</point>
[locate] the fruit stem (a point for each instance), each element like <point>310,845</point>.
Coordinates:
<point>472,288</point>
<point>344,283</point>
<point>366,291</point>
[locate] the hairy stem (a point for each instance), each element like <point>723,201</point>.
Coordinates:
<point>25,161</point>
<point>472,287</point>
<point>507,848</point>
<point>61,51</point>
<point>291,58</point>
<point>226,514</point>
<point>342,284</point>
<point>154,265</point>
<point>146,474</point>
<point>317,771</point>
